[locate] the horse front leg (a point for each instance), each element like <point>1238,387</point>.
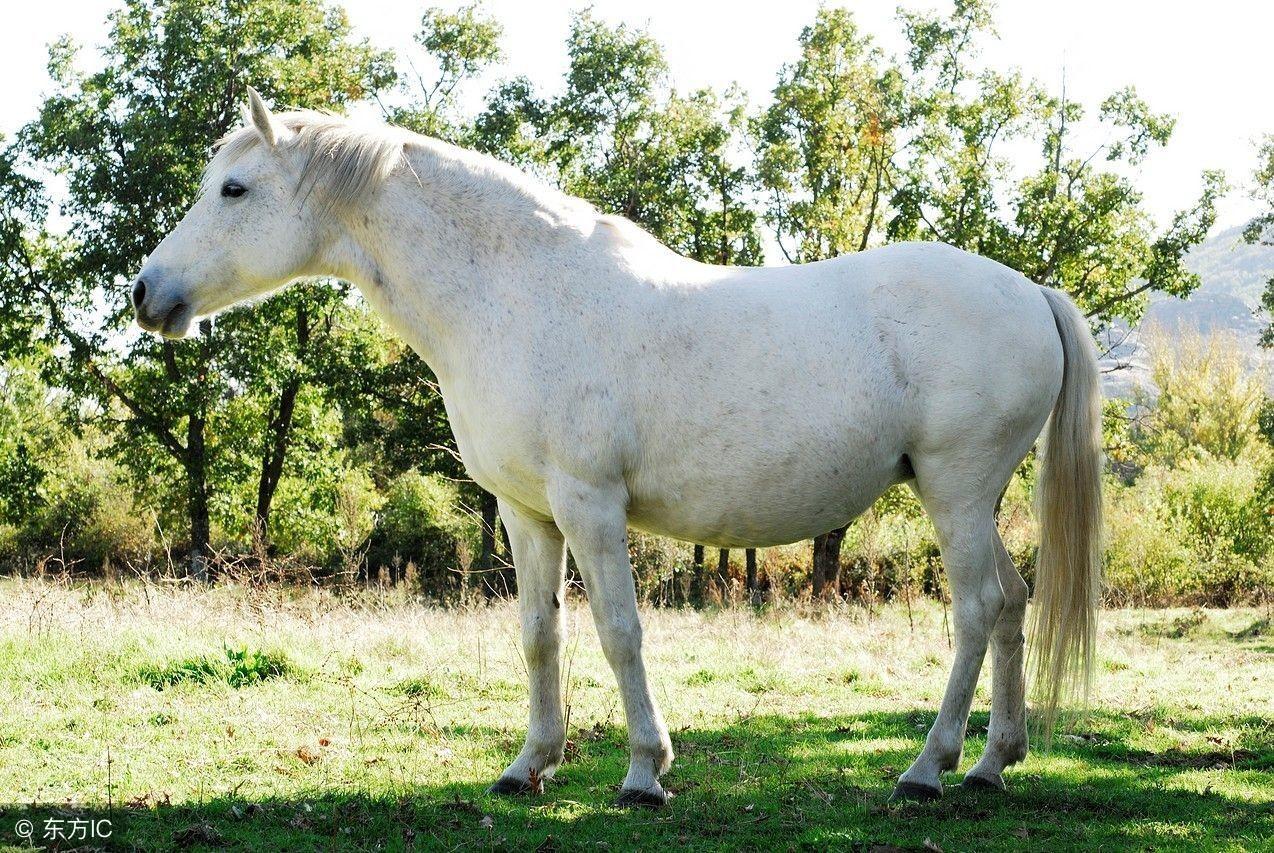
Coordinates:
<point>539,558</point>
<point>595,523</point>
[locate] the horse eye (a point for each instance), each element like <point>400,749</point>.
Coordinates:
<point>232,190</point>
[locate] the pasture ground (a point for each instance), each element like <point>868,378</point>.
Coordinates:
<point>284,719</point>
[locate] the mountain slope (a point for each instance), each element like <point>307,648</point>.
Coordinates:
<point>1233,275</point>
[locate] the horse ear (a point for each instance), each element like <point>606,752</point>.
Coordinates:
<point>269,128</point>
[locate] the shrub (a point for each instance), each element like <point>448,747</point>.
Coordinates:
<point>1208,396</point>
<point>663,567</point>
<point>326,523</point>
<point>84,519</point>
<point>1200,533</point>
<point>423,522</point>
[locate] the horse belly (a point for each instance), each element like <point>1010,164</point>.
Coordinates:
<point>762,499</point>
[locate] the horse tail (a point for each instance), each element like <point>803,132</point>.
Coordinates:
<point>1069,508</point>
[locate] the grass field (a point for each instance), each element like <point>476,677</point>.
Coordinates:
<point>281,720</point>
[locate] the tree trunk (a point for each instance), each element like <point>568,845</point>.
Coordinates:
<point>278,440</point>
<point>486,560</point>
<point>749,557</point>
<point>197,497</point>
<point>826,574</point>
<point>196,462</point>
<point>696,579</point>
<point>723,570</point>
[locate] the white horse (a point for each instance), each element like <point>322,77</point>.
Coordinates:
<point>597,381</point>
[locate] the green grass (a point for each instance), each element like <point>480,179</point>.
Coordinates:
<point>294,720</point>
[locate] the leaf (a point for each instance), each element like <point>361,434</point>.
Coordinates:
<point>308,754</point>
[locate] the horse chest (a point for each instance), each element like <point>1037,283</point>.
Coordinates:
<point>499,446</point>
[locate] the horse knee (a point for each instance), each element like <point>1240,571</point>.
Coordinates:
<point>621,639</point>
<point>540,642</point>
<point>978,614</point>
<point>1013,614</point>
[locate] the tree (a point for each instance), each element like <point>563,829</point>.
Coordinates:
<point>622,138</point>
<point>824,147</point>
<point>1076,221</point>
<point>462,44</point>
<point>131,141</point>
<point>1261,228</point>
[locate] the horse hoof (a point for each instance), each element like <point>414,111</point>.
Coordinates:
<point>914,792</point>
<point>650,798</point>
<point>507,786</point>
<point>982,783</point>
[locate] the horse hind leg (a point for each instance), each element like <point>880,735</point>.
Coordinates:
<point>964,518</point>
<point>1006,739</point>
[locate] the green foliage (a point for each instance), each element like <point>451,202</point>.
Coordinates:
<point>1263,192</point>
<point>1201,533</point>
<point>1209,397</point>
<point>31,437</point>
<point>87,517</point>
<point>23,208</point>
<point>61,505</point>
<point>237,667</point>
<point>1261,228</point>
<point>622,138</point>
<point>1069,223</point>
<point>130,140</point>
<point>825,145</point>
<point>462,44</point>
<point>422,522</point>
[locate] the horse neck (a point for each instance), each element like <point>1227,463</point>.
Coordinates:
<point>459,255</point>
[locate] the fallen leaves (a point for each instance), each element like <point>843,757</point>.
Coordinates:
<point>308,755</point>
<point>312,753</point>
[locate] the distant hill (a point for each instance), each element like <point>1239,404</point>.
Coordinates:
<point>1233,275</point>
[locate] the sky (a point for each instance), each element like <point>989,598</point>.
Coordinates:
<point>1207,64</point>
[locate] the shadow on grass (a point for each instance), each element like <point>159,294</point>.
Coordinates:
<point>765,782</point>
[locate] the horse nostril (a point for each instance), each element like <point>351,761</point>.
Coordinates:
<point>139,293</point>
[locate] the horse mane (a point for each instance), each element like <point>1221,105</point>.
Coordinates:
<point>346,160</point>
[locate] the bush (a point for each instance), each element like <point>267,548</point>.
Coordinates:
<point>326,523</point>
<point>1200,533</point>
<point>662,567</point>
<point>84,519</point>
<point>423,523</point>
<point>1208,397</point>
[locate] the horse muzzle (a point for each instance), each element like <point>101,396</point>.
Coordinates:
<point>161,309</point>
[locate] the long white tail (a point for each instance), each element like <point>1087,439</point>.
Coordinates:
<point>1069,507</point>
